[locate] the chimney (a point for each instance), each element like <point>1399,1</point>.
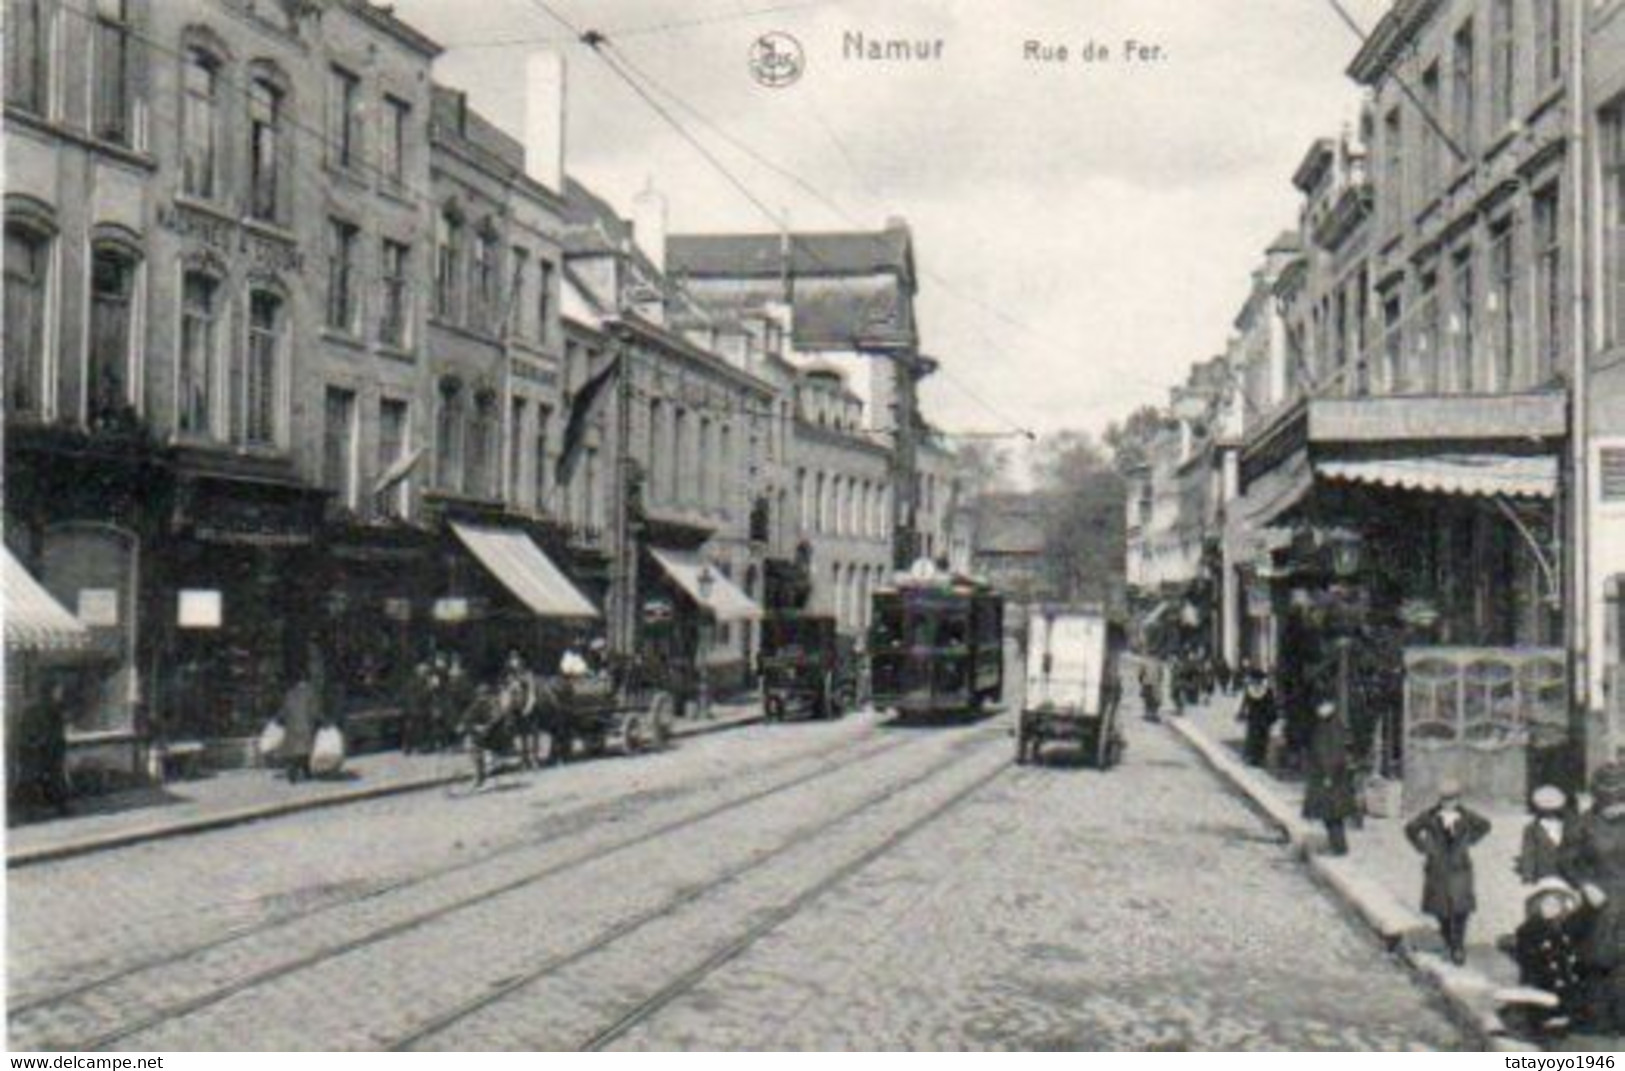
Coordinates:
<point>649,223</point>
<point>545,118</point>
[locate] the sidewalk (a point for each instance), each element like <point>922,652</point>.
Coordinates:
<point>1381,878</point>
<point>232,797</point>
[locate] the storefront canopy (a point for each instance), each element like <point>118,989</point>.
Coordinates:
<point>34,620</point>
<point>720,595</point>
<point>524,570</point>
<point>1459,474</point>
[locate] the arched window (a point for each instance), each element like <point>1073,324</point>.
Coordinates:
<point>256,375</point>
<point>267,146</point>
<point>28,254</point>
<point>482,447</point>
<point>200,123</point>
<point>110,357</point>
<point>448,255</point>
<point>196,370</point>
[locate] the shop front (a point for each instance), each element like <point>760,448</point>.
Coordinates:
<point>690,608</point>
<point>43,642</point>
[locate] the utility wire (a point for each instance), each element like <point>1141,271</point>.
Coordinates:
<point>1404,85</point>
<point>643,30</point>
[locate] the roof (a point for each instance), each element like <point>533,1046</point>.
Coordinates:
<point>767,255</point>
<point>383,17</point>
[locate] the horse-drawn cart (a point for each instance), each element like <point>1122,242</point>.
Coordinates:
<point>1072,688</point>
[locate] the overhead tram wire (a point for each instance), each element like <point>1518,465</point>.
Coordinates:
<point>647,29</point>
<point>1404,84</point>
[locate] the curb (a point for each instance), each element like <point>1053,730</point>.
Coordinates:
<point>1465,991</point>
<point>47,853</point>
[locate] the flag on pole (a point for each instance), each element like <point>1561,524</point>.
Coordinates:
<point>582,408</point>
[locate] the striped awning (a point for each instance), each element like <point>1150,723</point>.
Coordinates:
<point>706,585</point>
<point>513,558</point>
<point>34,620</point>
<point>1457,474</point>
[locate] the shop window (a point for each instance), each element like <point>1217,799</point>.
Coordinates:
<point>257,375</point>
<point>113,114</point>
<point>194,405</point>
<point>200,124</point>
<point>110,357</point>
<point>28,55</point>
<point>26,273</point>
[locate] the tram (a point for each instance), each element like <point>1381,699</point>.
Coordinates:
<point>936,644</point>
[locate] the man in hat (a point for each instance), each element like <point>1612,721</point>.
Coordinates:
<point>1445,834</point>
<point>1329,789</point>
<point>1546,836</point>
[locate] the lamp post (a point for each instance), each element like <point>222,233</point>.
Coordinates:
<point>1345,553</point>
<point>706,581</point>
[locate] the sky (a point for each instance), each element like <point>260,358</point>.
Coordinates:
<point>1084,230</point>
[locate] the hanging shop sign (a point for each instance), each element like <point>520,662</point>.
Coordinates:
<point>200,608</point>
<point>451,609</point>
<point>98,607</point>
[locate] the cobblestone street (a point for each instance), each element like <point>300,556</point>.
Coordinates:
<point>841,885</point>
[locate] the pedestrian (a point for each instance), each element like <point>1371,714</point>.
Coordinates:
<point>1547,836</point>
<point>459,693</point>
<point>519,687</point>
<point>1445,834</point>
<point>418,720</point>
<point>1258,712</point>
<point>1547,947</point>
<point>43,746</point>
<point>299,714</point>
<point>1150,695</point>
<point>1329,787</point>
<point>1596,866</point>
<point>485,726</point>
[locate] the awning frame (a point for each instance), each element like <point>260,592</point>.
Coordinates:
<point>542,586</point>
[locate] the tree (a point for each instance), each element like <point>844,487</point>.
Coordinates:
<point>1129,438</point>
<point>984,466</point>
<point>1083,498</point>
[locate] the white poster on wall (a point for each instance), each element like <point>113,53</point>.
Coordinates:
<point>200,608</point>
<point>98,607</point>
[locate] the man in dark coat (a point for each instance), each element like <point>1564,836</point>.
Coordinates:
<point>1445,834</point>
<point>1548,945</point>
<point>1548,836</point>
<point>1258,712</point>
<point>1329,789</point>
<point>300,711</point>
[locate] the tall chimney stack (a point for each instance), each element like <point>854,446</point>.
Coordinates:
<point>545,118</point>
<point>649,223</point>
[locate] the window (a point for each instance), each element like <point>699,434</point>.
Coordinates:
<point>518,308</point>
<point>483,281</point>
<point>543,415</point>
<point>1433,156</point>
<point>1503,63</point>
<point>656,468</point>
<point>482,454</point>
<point>1463,119</point>
<point>200,125</point>
<point>113,116</point>
<point>1613,192</point>
<point>393,444</point>
<point>448,254</point>
<point>339,446</point>
<point>675,459</point>
<point>255,392</point>
<point>344,121</point>
<point>342,306</point>
<point>1462,372</point>
<point>821,513</point>
<point>725,461</point>
<point>1393,140</point>
<point>393,320</point>
<point>449,439</point>
<point>392,145</point>
<point>28,56</point>
<point>112,292</point>
<point>1548,46</point>
<point>590,499</point>
<point>1393,344</point>
<point>516,449</point>
<point>27,259</point>
<point>1427,375</point>
<point>704,465</point>
<point>264,150</point>
<point>200,297</point>
<point>544,299</point>
<point>1499,303</point>
<point>1548,285</point>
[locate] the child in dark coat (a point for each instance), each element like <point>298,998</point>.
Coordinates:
<point>1445,834</point>
<point>1548,952</point>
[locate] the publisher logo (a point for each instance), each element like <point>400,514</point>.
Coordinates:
<point>776,60</point>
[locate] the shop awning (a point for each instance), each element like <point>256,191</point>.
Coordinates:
<point>1277,491</point>
<point>34,620</point>
<point>519,563</point>
<point>1458,474</point>
<point>693,574</point>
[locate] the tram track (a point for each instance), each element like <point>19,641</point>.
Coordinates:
<point>739,944</point>
<point>828,761</point>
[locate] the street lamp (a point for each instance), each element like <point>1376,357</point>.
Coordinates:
<point>705,582</point>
